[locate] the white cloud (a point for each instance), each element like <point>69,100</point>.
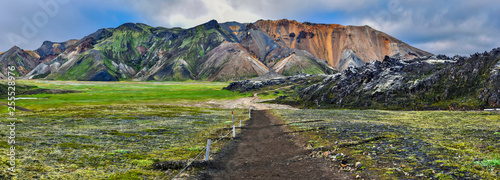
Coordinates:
<point>194,12</point>
<point>440,27</point>
<point>273,9</point>
<point>190,13</point>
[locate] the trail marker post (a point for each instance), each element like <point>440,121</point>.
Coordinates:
<point>207,154</point>
<point>250,112</point>
<point>232,119</point>
<point>234,132</point>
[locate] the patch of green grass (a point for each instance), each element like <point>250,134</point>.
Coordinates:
<point>195,148</point>
<point>121,151</point>
<point>271,94</point>
<point>143,163</point>
<point>490,162</point>
<point>4,144</point>
<point>133,174</point>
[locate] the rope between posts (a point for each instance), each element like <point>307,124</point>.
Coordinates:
<point>190,163</point>
<point>223,136</point>
<point>200,154</point>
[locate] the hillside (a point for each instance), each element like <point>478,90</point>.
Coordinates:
<point>213,51</point>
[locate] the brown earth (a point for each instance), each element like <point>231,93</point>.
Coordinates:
<point>248,102</point>
<point>265,150</point>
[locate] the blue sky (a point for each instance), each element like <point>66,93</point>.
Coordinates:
<point>442,27</point>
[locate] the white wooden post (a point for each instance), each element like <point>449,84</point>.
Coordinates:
<point>249,112</point>
<point>207,154</point>
<point>240,123</point>
<point>234,132</point>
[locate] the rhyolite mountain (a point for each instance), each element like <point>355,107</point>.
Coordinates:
<point>212,51</point>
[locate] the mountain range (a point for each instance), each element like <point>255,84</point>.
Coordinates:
<point>211,52</point>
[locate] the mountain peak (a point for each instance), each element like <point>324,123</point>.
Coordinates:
<point>139,27</point>
<point>47,43</point>
<point>14,48</point>
<point>211,24</point>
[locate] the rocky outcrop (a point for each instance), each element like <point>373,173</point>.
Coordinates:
<point>251,85</point>
<point>464,83</point>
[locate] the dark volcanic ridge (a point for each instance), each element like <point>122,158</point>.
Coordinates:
<point>212,51</point>
<point>440,82</point>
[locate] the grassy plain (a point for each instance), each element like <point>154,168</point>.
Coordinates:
<point>406,144</point>
<point>114,130</point>
<point>109,93</point>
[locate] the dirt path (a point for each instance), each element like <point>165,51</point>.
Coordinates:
<point>265,151</point>
<point>253,101</point>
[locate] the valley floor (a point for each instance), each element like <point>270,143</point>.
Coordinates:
<point>121,130</point>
